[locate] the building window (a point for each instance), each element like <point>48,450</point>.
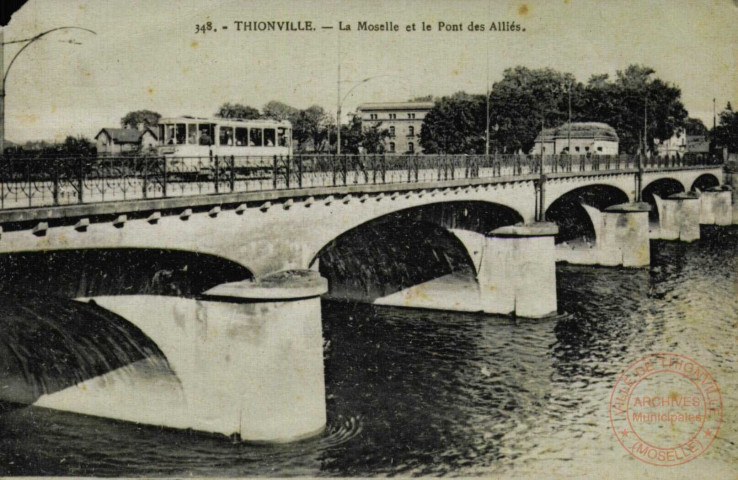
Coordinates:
<point>372,116</point>
<point>410,147</point>
<point>411,116</point>
<point>599,149</point>
<point>392,116</point>
<point>392,147</point>
<point>410,131</point>
<point>392,131</point>
<point>576,148</point>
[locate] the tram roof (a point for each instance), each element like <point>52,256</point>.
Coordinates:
<point>259,122</point>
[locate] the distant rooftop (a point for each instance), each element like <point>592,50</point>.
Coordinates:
<point>123,135</point>
<point>395,106</point>
<point>587,130</point>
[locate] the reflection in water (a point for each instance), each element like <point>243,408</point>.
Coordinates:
<point>423,392</point>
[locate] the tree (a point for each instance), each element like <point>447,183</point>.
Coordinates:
<point>78,146</point>
<point>236,110</point>
<point>279,111</point>
<point>694,126</point>
<point>358,138</point>
<point>632,98</point>
<point>525,101</point>
<point>726,132</point>
<point>311,125</point>
<point>140,119</point>
<point>455,124</point>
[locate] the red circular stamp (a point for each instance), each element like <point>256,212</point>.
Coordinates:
<point>666,409</point>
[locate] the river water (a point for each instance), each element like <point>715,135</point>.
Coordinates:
<point>413,392</point>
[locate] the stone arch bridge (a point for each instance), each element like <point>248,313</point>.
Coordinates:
<point>248,352</point>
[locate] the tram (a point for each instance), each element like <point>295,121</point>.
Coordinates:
<point>192,145</point>
<point>204,137</point>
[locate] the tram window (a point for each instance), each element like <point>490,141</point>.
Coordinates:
<point>169,135</point>
<point>242,136</point>
<point>269,137</point>
<point>192,134</point>
<point>206,133</point>
<point>181,134</point>
<point>161,134</point>
<point>226,136</point>
<point>282,137</point>
<point>255,137</point>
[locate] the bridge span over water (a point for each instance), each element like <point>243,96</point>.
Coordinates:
<point>250,239</point>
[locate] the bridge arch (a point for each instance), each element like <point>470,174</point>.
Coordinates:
<point>52,343</point>
<point>407,247</point>
<point>663,187</point>
<point>116,271</point>
<point>705,181</point>
<point>572,219</point>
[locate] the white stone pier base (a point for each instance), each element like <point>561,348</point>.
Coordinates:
<point>621,238</point>
<point>679,217</point>
<point>731,179</point>
<point>246,361</point>
<point>716,206</point>
<point>517,274</point>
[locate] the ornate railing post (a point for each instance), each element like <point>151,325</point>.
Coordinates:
<point>217,174</point>
<point>299,171</point>
<point>80,180</point>
<point>345,170</point>
<point>286,170</point>
<point>164,177</point>
<point>275,167</point>
<point>374,168</point>
<point>145,186</point>
<point>639,179</point>
<point>384,169</point>
<point>232,174</point>
<point>55,174</point>
<point>29,184</point>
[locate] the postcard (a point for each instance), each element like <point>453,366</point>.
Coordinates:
<point>418,238</point>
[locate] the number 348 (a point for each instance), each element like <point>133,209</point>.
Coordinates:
<point>204,27</point>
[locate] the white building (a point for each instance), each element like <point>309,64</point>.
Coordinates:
<point>403,120</point>
<point>584,137</point>
<point>681,143</point>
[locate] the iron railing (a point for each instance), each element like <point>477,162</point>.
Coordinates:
<point>37,181</point>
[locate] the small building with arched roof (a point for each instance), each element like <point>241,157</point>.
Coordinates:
<point>584,138</point>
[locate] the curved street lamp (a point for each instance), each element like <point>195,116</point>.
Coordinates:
<point>341,100</point>
<point>4,72</point>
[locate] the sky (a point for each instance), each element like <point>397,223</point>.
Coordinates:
<point>146,54</point>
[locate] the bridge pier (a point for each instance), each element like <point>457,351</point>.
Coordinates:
<point>679,217</point>
<point>716,206</point>
<point>731,179</point>
<point>517,274</point>
<point>248,360</point>
<point>621,238</point>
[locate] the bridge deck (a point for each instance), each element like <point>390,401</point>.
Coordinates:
<point>53,188</point>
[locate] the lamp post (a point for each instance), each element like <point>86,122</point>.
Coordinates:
<point>340,100</point>
<point>568,130</point>
<point>4,72</point>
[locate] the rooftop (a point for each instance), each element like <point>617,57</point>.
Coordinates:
<point>588,130</point>
<point>122,135</point>
<point>384,106</point>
